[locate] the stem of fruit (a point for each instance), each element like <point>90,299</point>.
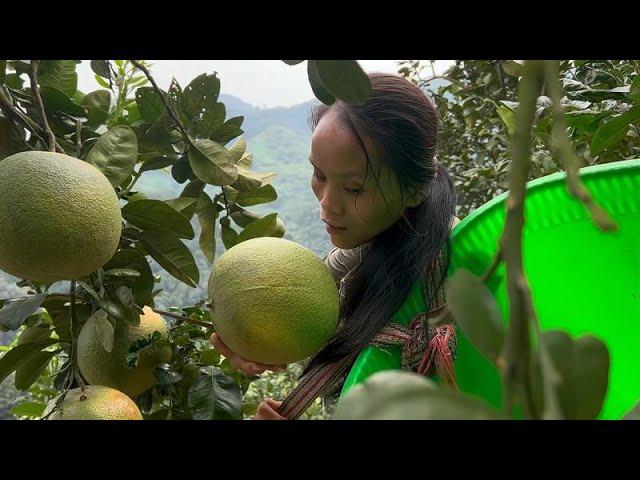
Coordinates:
<point>35,91</point>
<point>182,318</point>
<point>75,370</point>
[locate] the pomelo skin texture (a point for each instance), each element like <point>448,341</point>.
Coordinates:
<point>100,367</point>
<point>60,217</point>
<point>97,403</point>
<point>273,301</point>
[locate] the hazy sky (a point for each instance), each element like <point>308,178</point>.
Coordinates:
<point>264,83</point>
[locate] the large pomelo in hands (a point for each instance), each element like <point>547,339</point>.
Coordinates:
<point>273,301</point>
<point>60,217</point>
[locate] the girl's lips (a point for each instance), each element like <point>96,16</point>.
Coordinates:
<point>333,228</point>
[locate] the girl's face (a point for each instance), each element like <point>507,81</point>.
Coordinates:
<point>351,203</point>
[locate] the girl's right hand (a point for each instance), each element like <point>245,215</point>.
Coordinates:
<point>237,362</point>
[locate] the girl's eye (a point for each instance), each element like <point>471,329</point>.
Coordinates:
<point>355,191</point>
<point>318,176</point>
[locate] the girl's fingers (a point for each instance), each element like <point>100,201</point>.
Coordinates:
<point>245,366</point>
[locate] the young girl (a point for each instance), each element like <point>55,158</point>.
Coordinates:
<point>388,206</point>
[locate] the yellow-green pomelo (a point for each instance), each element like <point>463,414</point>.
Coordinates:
<point>273,301</point>
<point>97,403</point>
<point>100,367</point>
<point>59,217</point>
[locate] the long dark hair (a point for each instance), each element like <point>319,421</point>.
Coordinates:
<point>399,122</point>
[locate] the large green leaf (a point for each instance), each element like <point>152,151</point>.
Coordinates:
<point>58,74</point>
<point>186,206</point>
<point>56,101</point>
<point>345,80</point>
<point>172,255</point>
<point>319,89</point>
<point>211,121</point>
<point>267,226</point>
<point>212,163</point>
<point>238,149</point>
<point>582,367</point>
<point>248,181</point>
<point>401,395</point>
<point>14,313</point>
<point>142,285</point>
<point>29,409</point>
<point>228,131</point>
<point>200,95</point>
<point>101,68</point>
<point>158,216</point>
<point>476,312</point>
<point>229,235</point>
<point>115,154</point>
<point>215,396</point>
<point>263,194</point>
<point>513,68</point>
<point>149,104</point>
<point>156,163</point>
<point>97,105</point>
<point>508,117</point>
<point>207,215</point>
<point>15,357</point>
<point>614,130</point>
<point>29,370</point>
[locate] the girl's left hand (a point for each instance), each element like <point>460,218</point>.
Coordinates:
<point>268,410</point>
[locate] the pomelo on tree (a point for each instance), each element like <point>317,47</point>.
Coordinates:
<point>273,301</point>
<point>60,217</point>
<point>96,402</point>
<point>100,367</point>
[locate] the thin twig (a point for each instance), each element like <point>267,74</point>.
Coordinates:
<point>35,91</point>
<point>493,267</point>
<point>78,137</point>
<point>564,151</point>
<point>10,110</point>
<point>75,371</point>
<point>185,319</point>
<point>165,102</point>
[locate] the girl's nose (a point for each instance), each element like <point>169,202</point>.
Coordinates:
<point>331,202</point>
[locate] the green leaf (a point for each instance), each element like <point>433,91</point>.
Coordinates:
<point>508,116</point>
<point>215,396</point>
<point>212,163</point>
<point>319,90</point>
<point>186,206</point>
<point>156,163</point>
<point>13,80</point>
<point>29,409</point>
<point>264,227</point>
<point>238,149</point>
<point>207,215</point>
<point>101,68</point>
<point>143,285</point>
<point>210,357</point>
<point>3,70</point>
<point>14,313</point>
<point>181,170</point>
<point>115,154</point>
<point>229,236</point>
<point>172,255</point>
<point>582,367</point>
<point>292,62</point>
<point>264,194</point>
<point>102,329</point>
<point>634,91</point>
<point>122,273</point>
<point>15,357</point>
<point>193,189</point>
<point>56,101</point>
<point>211,121</point>
<point>158,216</point>
<point>614,130</point>
<point>101,82</point>
<point>249,181</point>
<point>200,95</point>
<point>58,74</point>
<point>97,105</point>
<point>401,395</point>
<point>149,104</point>
<point>345,80</point>
<point>476,312</point>
<point>29,371</point>
<point>227,131</point>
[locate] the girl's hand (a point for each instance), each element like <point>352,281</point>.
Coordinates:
<point>268,410</point>
<point>239,363</point>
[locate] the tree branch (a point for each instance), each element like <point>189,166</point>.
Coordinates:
<point>35,91</point>
<point>165,102</point>
<point>182,318</point>
<point>563,151</point>
<point>10,110</point>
